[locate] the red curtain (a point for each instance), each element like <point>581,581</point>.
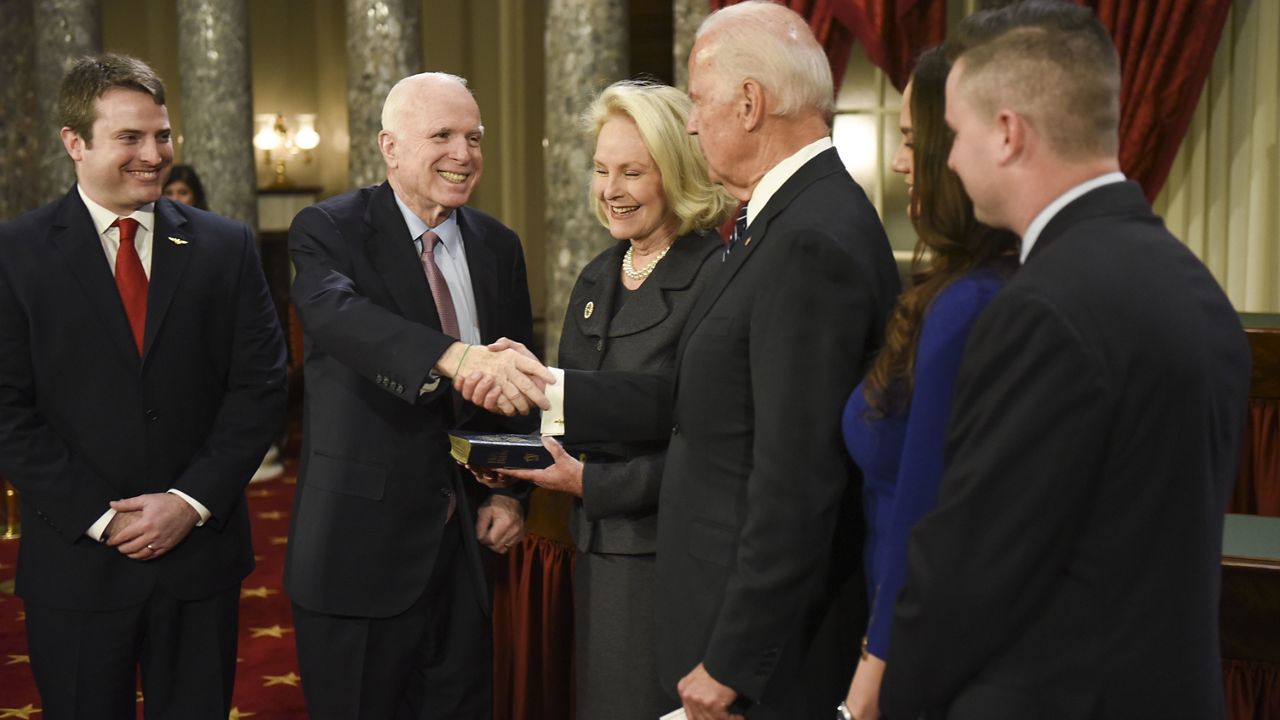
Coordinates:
<point>1257,490</point>
<point>1166,52</point>
<point>1251,690</point>
<point>533,632</point>
<point>893,32</point>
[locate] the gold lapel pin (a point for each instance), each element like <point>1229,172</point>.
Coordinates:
<point>177,241</point>
<point>586,311</point>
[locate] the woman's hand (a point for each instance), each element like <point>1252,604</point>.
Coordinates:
<point>864,692</point>
<point>490,477</point>
<point>563,475</point>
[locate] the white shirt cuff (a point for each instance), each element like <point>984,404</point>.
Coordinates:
<point>95,530</point>
<point>553,419</point>
<point>201,510</point>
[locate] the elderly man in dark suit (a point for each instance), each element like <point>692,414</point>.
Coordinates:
<point>1072,566</point>
<point>141,380</point>
<point>759,596</point>
<point>394,285</point>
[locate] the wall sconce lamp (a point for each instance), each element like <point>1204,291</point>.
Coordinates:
<point>275,136</point>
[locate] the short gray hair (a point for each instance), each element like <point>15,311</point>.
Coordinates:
<point>401,93</point>
<point>774,46</point>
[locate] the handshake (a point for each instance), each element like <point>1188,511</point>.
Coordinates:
<point>503,377</point>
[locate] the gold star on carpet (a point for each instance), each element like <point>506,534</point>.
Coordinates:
<point>273,515</point>
<point>22,712</point>
<point>137,696</point>
<point>290,481</point>
<point>290,679</point>
<point>260,493</point>
<point>236,714</point>
<point>258,592</point>
<point>19,659</point>
<point>22,616</point>
<point>281,540</point>
<point>259,558</point>
<point>274,631</point>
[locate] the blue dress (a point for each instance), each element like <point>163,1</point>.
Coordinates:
<point>901,456</point>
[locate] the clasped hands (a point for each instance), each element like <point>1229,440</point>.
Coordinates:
<point>503,377</point>
<point>148,526</point>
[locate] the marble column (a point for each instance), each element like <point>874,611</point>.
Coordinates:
<point>64,31</point>
<point>384,45</point>
<point>217,103</point>
<point>18,153</point>
<point>586,50</point>
<point>687,16</point>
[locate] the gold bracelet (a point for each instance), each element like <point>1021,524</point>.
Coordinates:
<point>455,375</point>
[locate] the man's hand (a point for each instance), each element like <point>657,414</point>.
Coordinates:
<point>488,391</point>
<point>564,475</point>
<point>863,700</point>
<point>489,477</point>
<point>499,523</point>
<point>704,698</point>
<point>148,526</point>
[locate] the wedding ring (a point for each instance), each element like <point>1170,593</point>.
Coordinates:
<point>151,547</point>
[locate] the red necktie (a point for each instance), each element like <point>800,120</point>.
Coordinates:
<point>439,287</point>
<point>131,280</point>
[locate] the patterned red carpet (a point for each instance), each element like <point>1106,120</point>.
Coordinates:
<point>267,685</point>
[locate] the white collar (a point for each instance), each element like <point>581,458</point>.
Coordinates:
<point>448,231</point>
<point>104,218</point>
<point>781,173</point>
<point>1042,219</point>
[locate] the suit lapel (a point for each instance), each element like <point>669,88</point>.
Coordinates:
<point>650,305</point>
<point>599,286</point>
<point>390,250</point>
<point>168,264</point>
<point>74,235</point>
<point>822,165</point>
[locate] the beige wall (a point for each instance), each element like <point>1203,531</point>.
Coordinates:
<point>299,66</point>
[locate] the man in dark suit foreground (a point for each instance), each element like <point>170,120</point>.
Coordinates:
<point>1071,568</point>
<point>394,285</point>
<point>141,380</point>
<point>759,599</point>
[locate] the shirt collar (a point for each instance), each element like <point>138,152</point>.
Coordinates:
<point>448,231</point>
<point>780,173</point>
<point>1041,220</point>
<point>104,218</point>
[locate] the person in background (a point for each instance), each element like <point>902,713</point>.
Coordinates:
<point>628,307</point>
<point>142,376</point>
<point>185,187</point>
<point>1071,567</point>
<point>895,421</point>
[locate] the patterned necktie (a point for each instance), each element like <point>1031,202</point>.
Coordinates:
<point>739,230</point>
<point>131,279</point>
<point>439,287</point>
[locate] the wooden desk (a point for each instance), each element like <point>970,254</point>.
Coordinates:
<point>1251,588</point>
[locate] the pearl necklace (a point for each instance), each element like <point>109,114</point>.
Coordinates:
<point>630,270</point>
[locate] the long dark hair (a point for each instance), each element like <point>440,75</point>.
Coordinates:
<point>187,174</point>
<point>951,241</point>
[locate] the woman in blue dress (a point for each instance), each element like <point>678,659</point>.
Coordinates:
<point>895,422</point>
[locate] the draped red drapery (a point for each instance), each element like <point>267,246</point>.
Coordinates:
<point>893,32</point>
<point>1166,53</point>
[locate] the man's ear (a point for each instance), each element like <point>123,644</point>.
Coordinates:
<point>387,144</point>
<point>73,143</point>
<point>1013,135</point>
<point>751,104</point>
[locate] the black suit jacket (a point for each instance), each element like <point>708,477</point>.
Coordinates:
<point>84,420</point>
<point>375,474</point>
<point>759,522</point>
<point>1071,568</point>
<point>618,509</point>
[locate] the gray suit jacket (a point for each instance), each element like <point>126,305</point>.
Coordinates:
<point>617,513</point>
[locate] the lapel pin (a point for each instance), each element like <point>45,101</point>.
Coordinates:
<point>177,241</point>
<point>586,311</point>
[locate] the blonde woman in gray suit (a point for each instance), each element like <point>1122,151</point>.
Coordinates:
<point>651,190</point>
